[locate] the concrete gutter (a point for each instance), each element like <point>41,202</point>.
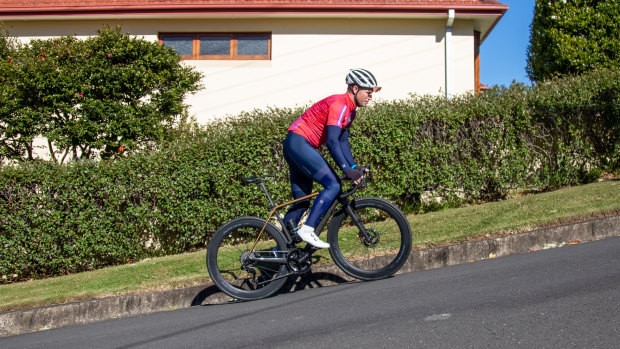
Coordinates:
<point>30,320</point>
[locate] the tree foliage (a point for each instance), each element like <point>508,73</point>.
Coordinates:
<point>572,37</point>
<point>90,97</point>
<point>10,130</point>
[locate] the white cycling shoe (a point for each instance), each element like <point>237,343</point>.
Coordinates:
<point>307,234</point>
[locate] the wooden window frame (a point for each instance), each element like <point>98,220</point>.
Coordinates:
<point>233,56</point>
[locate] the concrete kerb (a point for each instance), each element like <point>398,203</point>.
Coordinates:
<point>30,320</point>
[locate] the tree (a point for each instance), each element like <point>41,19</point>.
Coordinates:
<point>46,92</point>
<point>572,37</point>
<point>11,145</point>
<point>95,96</point>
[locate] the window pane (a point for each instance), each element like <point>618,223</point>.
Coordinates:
<point>181,44</point>
<point>253,45</point>
<point>215,45</point>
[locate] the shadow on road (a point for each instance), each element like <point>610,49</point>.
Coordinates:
<point>212,295</point>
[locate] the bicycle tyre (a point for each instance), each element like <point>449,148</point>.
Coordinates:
<point>368,261</point>
<point>225,251</point>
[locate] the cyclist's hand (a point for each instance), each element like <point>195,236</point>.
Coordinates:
<point>355,175</point>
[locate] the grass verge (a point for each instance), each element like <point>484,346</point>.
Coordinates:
<point>514,215</point>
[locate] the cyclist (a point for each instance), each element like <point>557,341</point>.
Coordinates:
<point>326,122</point>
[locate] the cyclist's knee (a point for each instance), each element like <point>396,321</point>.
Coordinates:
<point>335,187</point>
<point>332,189</point>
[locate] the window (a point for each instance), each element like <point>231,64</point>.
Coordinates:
<point>219,46</point>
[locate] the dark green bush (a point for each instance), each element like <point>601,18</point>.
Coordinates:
<point>57,219</point>
<point>573,37</point>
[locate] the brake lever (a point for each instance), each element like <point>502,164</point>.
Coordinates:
<point>365,176</point>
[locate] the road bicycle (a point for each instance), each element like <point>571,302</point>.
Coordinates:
<point>250,258</point>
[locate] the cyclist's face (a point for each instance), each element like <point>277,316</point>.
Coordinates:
<point>364,96</point>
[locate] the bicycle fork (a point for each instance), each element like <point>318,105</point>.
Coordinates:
<point>367,236</point>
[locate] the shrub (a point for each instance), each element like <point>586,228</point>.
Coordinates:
<point>573,37</point>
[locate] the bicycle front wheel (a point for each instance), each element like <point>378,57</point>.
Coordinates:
<point>230,262</point>
<point>379,254</point>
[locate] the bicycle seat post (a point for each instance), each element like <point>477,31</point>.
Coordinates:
<point>267,194</point>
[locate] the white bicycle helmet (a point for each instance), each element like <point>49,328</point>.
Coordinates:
<point>362,78</point>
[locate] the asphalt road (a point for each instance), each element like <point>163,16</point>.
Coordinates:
<point>560,298</point>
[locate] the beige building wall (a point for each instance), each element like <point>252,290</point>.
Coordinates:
<point>310,57</point>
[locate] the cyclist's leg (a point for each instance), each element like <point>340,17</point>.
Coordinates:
<point>301,181</point>
<point>301,185</point>
<point>321,204</point>
<point>328,179</point>
<point>307,164</point>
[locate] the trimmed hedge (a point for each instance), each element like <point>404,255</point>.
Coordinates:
<point>59,219</point>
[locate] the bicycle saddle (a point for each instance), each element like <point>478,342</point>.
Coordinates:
<point>256,179</point>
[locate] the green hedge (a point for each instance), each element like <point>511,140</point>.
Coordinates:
<point>59,219</point>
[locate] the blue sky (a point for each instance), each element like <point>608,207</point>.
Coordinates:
<point>503,53</point>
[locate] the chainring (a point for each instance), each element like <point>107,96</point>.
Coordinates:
<point>293,261</point>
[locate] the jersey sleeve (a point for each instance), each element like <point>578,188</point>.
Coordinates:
<point>337,148</point>
<point>346,147</point>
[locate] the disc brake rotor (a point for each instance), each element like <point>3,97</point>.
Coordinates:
<point>373,238</point>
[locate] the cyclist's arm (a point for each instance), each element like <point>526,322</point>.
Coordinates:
<point>346,147</point>
<point>338,149</point>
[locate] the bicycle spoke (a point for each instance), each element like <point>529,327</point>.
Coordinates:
<point>379,250</point>
<point>229,258</point>
<point>384,235</point>
<point>235,269</point>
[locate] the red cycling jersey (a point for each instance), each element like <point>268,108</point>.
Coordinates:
<point>336,110</point>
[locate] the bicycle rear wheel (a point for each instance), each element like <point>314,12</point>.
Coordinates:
<point>231,269</point>
<point>382,255</point>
